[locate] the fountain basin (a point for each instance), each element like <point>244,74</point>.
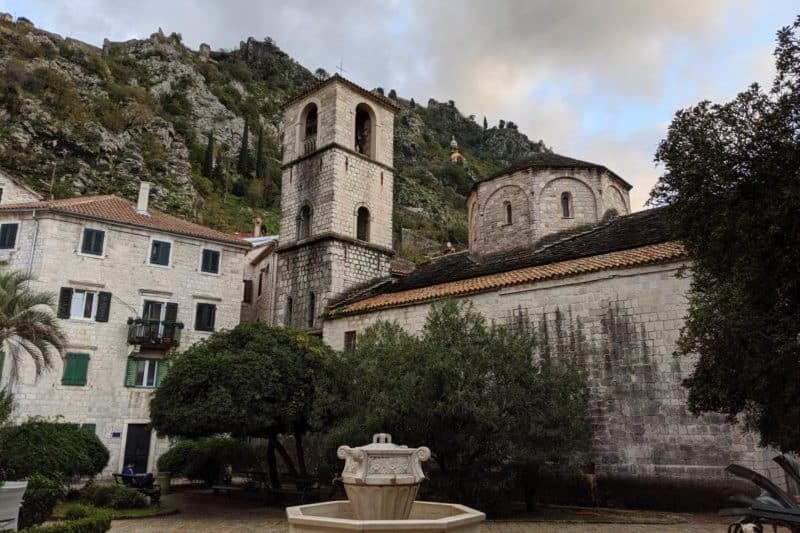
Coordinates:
<point>337,516</point>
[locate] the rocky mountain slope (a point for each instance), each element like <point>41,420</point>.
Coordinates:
<point>76,119</point>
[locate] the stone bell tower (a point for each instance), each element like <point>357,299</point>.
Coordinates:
<point>336,197</point>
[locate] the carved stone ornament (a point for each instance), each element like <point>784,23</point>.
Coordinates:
<point>383,463</point>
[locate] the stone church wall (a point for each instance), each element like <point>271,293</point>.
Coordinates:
<point>620,329</point>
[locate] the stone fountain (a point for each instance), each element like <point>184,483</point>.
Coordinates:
<point>381,481</point>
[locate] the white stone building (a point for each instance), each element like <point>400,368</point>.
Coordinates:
<point>133,285</point>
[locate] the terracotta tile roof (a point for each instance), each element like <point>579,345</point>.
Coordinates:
<point>388,102</point>
<point>115,209</point>
<point>654,253</point>
<point>548,160</point>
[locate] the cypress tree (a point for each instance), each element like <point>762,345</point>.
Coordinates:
<point>243,166</point>
<point>217,175</point>
<point>208,159</point>
<point>485,123</point>
<point>260,159</point>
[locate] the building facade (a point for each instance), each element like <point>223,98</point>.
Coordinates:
<point>134,286</point>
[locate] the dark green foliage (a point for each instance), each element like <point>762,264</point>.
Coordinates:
<point>79,519</point>
<point>208,157</point>
<point>732,181</point>
<point>41,496</point>
<point>243,164</point>
<point>51,449</point>
<point>6,406</point>
<point>468,390</point>
<point>113,496</point>
<point>485,123</point>
<point>253,380</point>
<point>205,459</point>
<point>393,94</point>
<point>261,170</point>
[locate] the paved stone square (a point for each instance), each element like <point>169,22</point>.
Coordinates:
<point>204,512</point>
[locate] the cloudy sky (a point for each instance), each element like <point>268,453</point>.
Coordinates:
<point>595,79</point>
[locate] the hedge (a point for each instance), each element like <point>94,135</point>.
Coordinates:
<point>51,449</point>
<point>40,498</point>
<point>113,496</point>
<point>80,519</point>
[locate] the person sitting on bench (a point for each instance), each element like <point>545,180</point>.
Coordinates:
<point>136,481</point>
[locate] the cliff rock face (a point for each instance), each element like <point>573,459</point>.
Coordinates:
<point>78,119</point>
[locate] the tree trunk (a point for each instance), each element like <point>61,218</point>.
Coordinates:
<point>301,454</point>
<point>272,464</point>
<point>287,460</point>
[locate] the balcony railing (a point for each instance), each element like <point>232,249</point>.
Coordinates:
<point>156,334</point>
<point>309,145</point>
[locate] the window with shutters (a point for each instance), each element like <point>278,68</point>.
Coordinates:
<point>209,262</point>
<point>287,319</point>
<point>205,316</point>
<point>312,309</point>
<point>76,366</point>
<point>84,304</point>
<point>349,341</point>
<point>159,252</point>
<point>145,373</point>
<point>247,296</point>
<point>93,242</point>
<point>8,236</point>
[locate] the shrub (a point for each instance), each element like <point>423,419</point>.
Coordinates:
<point>113,496</point>
<point>40,498</point>
<point>50,449</point>
<point>204,459</point>
<point>80,519</point>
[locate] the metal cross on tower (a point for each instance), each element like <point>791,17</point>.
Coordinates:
<point>340,68</point>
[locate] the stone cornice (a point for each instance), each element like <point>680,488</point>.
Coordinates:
<point>333,236</point>
<point>335,145</point>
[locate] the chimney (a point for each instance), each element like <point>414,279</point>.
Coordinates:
<point>256,227</point>
<point>144,198</point>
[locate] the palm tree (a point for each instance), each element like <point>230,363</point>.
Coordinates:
<point>28,325</point>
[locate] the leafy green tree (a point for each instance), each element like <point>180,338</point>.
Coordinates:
<point>28,325</point>
<point>321,74</point>
<point>468,390</point>
<point>243,165</point>
<point>251,381</point>
<point>393,94</point>
<point>732,183</point>
<point>261,160</point>
<point>208,157</point>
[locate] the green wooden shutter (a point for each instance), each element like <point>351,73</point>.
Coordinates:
<point>76,368</point>
<point>161,371</point>
<point>130,372</point>
<point>103,307</point>
<point>64,302</point>
<point>2,363</point>
<point>89,427</point>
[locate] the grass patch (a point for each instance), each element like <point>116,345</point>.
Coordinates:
<point>121,514</point>
<point>596,515</point>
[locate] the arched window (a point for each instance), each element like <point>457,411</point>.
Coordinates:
<point>287,319</point>
<point>304,222</point>
<point>566,205</point>
<point>308,125</point>
<point>365,127</point>
<point>509,217</point>
<point>312,306</point>
<point>362,224</point>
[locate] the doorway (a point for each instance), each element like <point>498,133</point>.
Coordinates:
<point>137,447</point>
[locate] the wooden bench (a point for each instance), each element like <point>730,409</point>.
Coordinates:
<point>141,483</point>
<point>227,489</point>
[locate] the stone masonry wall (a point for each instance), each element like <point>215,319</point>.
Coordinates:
<point>123,271</point>
<point>13,193</point>
<point>535,198</point>
<point>327,269</point>
<point>620,329</point>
